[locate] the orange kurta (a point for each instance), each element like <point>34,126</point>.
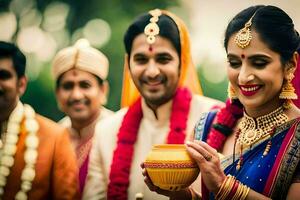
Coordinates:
<point>56,168</point>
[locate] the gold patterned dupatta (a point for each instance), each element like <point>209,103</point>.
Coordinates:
<point>188,75</point>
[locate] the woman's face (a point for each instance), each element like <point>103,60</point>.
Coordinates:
<point>256,74</point>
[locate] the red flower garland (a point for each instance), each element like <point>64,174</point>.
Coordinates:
<point>226,119</point>
<point>223,125</point>
<point>123,154</point>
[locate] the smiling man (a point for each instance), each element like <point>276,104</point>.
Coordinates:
<point>81,89</point>
<point>159,90</point>
<point>36,158</point>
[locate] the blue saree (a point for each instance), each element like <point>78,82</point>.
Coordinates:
<point>270,175</point>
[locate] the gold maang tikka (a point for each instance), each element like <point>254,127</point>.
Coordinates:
<point>244,36</point>
<point>152,29</point>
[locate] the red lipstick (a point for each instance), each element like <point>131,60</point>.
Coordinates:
<point>249,90</point>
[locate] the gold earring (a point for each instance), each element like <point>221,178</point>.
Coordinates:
<point>231,92</point>
<point>288,90</point>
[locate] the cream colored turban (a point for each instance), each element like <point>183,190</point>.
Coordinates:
<point>80,56</point>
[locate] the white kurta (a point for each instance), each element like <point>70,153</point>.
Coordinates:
<point>152,131</point>
<point>86,132</point>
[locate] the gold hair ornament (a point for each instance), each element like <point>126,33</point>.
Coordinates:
<point>244,36</point>
<point>152,29</point>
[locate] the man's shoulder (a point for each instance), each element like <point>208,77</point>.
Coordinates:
<point>206,100</point>
<point>111,123</point>
<point>49,125</point>
<point>114,117</point>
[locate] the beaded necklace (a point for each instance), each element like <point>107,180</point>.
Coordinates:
<point>21,114</point>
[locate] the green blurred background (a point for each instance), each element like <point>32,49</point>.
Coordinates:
<point>42,27</point>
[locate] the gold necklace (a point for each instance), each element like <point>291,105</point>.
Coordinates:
<point>253,130</point>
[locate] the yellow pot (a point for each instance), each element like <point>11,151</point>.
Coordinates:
<point>170,167</point>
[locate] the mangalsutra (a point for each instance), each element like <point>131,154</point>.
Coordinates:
<point>252,130</point>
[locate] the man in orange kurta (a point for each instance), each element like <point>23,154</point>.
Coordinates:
<point>51,160</point>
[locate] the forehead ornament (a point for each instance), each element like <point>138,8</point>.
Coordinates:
<point>152,29</point>
<point>244,36</point>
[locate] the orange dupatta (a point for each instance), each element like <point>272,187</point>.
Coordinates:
<point>188,76</point>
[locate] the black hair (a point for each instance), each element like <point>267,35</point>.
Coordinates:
<point>10,50</point>
<point>58,80</point>
<point>167,29</point>
<point>274,27</point>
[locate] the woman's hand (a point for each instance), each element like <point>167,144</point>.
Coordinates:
<point>208,161</point>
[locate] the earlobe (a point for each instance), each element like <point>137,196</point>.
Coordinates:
<point>22,84</point>
<point>295,58</point>
<point>126,61</point>
<point>291,66</point>
<point>105,92</point>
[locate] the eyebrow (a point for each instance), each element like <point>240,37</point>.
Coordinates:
<point>259,56</point>
<point>6,72</point>
<point>232,56</point>
<point>164,54</point>
<point>252,57</point>
<point>139,55</point>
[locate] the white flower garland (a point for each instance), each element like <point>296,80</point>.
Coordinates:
<point>10,148</point>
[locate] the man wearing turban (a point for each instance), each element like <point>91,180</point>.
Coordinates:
<point>80,72</point>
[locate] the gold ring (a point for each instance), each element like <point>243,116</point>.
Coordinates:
<point>208,157</point>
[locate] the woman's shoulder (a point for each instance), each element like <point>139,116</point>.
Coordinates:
<point>205,103</point>
<point>203,125</point>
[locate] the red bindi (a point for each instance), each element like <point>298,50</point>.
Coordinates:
<point>243,56</point>
<point>150,48</point>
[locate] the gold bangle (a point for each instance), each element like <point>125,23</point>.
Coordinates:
<point>229,188</point>
<point>238,192</point>
<point>222,186</point>
<point>225,190</point>
<point>242,192</point>
<point>245,192</point>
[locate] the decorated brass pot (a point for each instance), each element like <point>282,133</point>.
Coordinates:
<point>170,167</point>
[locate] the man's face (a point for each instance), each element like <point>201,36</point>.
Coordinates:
<point>11,87</point>
<point>79,95</point>
<point>154,69</point>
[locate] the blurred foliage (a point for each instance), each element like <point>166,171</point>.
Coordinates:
<point>119,14</point>
<point>213,90</point>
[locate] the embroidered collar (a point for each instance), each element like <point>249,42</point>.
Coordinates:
<point>162,113</point>
<point>86,132</point>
